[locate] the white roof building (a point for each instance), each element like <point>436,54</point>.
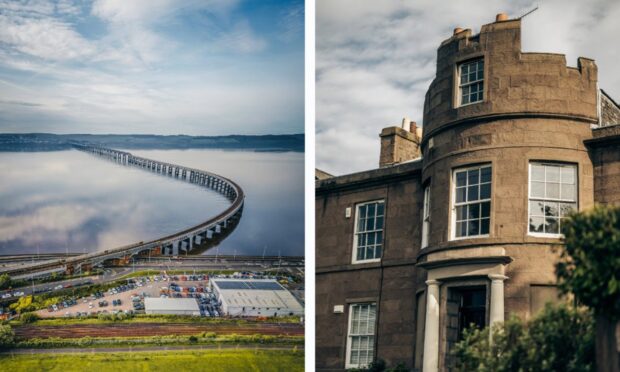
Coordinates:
<point>174,306</point>
<point>255,297</point>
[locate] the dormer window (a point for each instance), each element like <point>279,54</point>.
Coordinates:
<point>471,82</point>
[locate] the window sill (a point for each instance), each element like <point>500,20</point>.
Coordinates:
<point>356,262</point>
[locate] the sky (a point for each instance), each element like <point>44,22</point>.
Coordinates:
<point>375,60</point>
<point>196,67</point>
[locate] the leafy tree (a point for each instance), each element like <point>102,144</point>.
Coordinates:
<point>589,268</point>
<point>5,281</point>
<point>558,339</point>
<point>23,304</point>
<point>590,264</point>
<point>7,336</point>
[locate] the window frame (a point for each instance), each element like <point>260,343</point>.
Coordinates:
<point>460,86</point>
<point>530,198</point>
<point>453,188</point>
<point>426,215</point>
<point>348,364</point>
<point>356,232</point>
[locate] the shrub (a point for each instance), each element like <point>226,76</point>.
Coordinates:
<point>7,336</point>
<point>558,339</point>
<point>29,317</point>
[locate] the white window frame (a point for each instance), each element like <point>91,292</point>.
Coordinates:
<point>453,198</point>
<point>356,232</point>
<point>460,85</point>
<point>530,198</point>
<point>350,337</point>
<point>426,215</point>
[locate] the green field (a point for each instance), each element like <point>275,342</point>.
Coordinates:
<point>204,360</point>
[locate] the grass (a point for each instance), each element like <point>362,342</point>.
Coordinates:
<point>212,360</point>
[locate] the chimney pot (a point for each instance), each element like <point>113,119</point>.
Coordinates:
<point>457,30</point>
<point>501,17</point>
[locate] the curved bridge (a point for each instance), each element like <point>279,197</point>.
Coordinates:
<point>178,243</point>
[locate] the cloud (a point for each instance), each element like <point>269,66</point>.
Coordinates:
<point>156,66</point>
<point>375,60</point>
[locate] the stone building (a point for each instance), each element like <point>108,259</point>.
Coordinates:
<point>459,223</point>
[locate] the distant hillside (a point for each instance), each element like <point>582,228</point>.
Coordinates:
<point>52,142</point>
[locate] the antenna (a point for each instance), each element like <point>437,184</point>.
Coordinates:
<point>530,12</point>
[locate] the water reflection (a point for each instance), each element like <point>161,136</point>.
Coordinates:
<point>273,214</point>
<point>72,201</point>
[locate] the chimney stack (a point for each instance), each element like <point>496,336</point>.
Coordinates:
<point>399,144</point>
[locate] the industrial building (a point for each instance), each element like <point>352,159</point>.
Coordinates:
<point>171,306</point>
<point>255,297</point>
<point>459,223</point>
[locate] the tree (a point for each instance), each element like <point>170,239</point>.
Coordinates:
<point>589,268</point>
<point>5,281</point>
<point>557,339</point>
<point>7,336</point>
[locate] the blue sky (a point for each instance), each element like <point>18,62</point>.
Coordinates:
<point>198,67</point>
<point>376,59</point>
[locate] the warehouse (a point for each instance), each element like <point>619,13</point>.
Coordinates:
<point>174,306</point>
<point>244,297</point>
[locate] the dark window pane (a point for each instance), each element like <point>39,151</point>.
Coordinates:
<point>485,174</point>
<point>484,226</point>
<point>472,193</point>
<point>380,207</point>
<point>379,224</point>
<point>473,177</point>
<point>360,254</point>
<point>371,238</point>
<point>371,210</point>
<point>461,178</point>
<point>485,191</point>
<point>485,210</point>
<point>473,228</point>
<point>370,224</point>
<point>552,209</point>
<point>370,252</point>
<point>379,237</point>
<point>460,194</point>
<point>362,211</point>
<point>474,211</point>
<point>363,240</point>
<point>551,226</point>
<point>465,99</point>
<point>378,251</point>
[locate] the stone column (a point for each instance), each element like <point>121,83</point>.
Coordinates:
<point>430,362</point>
<point>496,312</point>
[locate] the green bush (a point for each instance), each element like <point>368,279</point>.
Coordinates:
<point>558,339</point>
<point>29,317</point>
<point>7,336</point>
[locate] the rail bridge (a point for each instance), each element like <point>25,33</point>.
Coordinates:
<point>181,242</point>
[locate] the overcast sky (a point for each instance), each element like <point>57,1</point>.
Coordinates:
<point>201,67</point>
<point>376,59</point>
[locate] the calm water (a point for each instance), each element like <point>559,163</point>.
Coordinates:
<point>72,201</point>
